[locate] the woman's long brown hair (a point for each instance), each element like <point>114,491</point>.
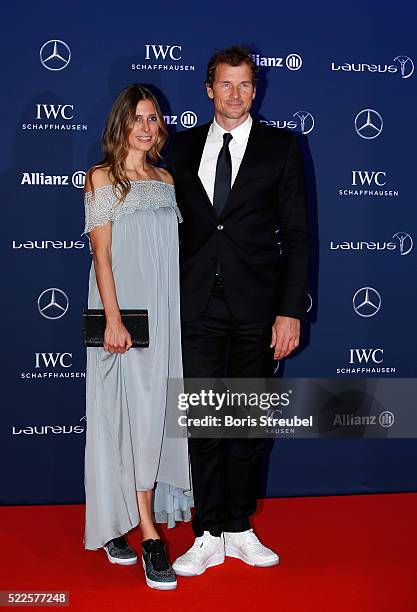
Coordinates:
<point>115,136</point>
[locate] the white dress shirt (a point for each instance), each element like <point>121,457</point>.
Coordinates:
<point>214,142</point>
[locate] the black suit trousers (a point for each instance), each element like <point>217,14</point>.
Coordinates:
<point>225,472</point>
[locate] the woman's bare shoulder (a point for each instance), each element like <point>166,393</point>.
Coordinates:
<point>165,175</point>
<point>97,177</point>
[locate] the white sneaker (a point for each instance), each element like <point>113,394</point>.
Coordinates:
<point>244,545</point>
<point>206,552</point>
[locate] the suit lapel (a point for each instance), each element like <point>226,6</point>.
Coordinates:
<point>195,153</point>
<point>249,161</point>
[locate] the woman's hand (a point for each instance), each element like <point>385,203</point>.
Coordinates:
<point>116,337</point>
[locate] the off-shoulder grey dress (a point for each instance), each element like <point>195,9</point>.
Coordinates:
<point>127,449</point>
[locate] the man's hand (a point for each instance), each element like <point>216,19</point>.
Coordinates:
<point>285,336</point>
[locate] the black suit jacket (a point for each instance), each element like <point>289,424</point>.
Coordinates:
<point>268,194</point>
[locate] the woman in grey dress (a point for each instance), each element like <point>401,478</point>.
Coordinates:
<point>132,222</point>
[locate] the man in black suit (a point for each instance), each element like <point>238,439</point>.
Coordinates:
<point>237,183</point>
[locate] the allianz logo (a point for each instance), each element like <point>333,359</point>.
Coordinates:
<point>188,119</point>
<point>354,419</point>
<point>384,419</point>
<point>48,244</point>
<point>403,245</point>
<point>293,61</point>
<point>77,179</point>
<point>404,66</point>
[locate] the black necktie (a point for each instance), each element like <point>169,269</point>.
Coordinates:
<point>223,180</point>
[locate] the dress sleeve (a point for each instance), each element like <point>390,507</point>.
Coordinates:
<point>100,207</point>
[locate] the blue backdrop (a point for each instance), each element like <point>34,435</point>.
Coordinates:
<point>341,76</point>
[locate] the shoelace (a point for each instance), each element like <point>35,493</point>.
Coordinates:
<point>197,546</point>
<point>253,541</point>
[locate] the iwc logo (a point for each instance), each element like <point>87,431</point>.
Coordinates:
<point>365,361</point>
<point>369,184</point>
<point>52,366</point>
<point>54,117</point>
<point>163,57</point>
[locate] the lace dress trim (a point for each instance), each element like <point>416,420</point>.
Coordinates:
<point>102,205</point>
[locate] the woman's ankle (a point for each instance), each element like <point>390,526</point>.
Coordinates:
<point>150,534</point>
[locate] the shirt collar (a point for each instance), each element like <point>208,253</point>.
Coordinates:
<point>240,134</point>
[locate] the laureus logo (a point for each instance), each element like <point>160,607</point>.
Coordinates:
<point>403,245</point>
<point>405,242</point>
<point>306,121</point>
<point>406,65</point>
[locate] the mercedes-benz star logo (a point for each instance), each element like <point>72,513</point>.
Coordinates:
<point>55,55</point>
<point>306,121</point>
<point>366,302</point>
<point>368,123</point>
<point>53,303</point>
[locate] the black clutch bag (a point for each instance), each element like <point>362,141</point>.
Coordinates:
<point>135,321</point>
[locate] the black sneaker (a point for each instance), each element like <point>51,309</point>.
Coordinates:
<point>120,552</point>
<point>158,571</point>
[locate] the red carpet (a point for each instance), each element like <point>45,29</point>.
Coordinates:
<point>353,553</point>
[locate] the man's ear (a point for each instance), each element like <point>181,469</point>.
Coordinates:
<point>209,92</point>
<point>254,93</point>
